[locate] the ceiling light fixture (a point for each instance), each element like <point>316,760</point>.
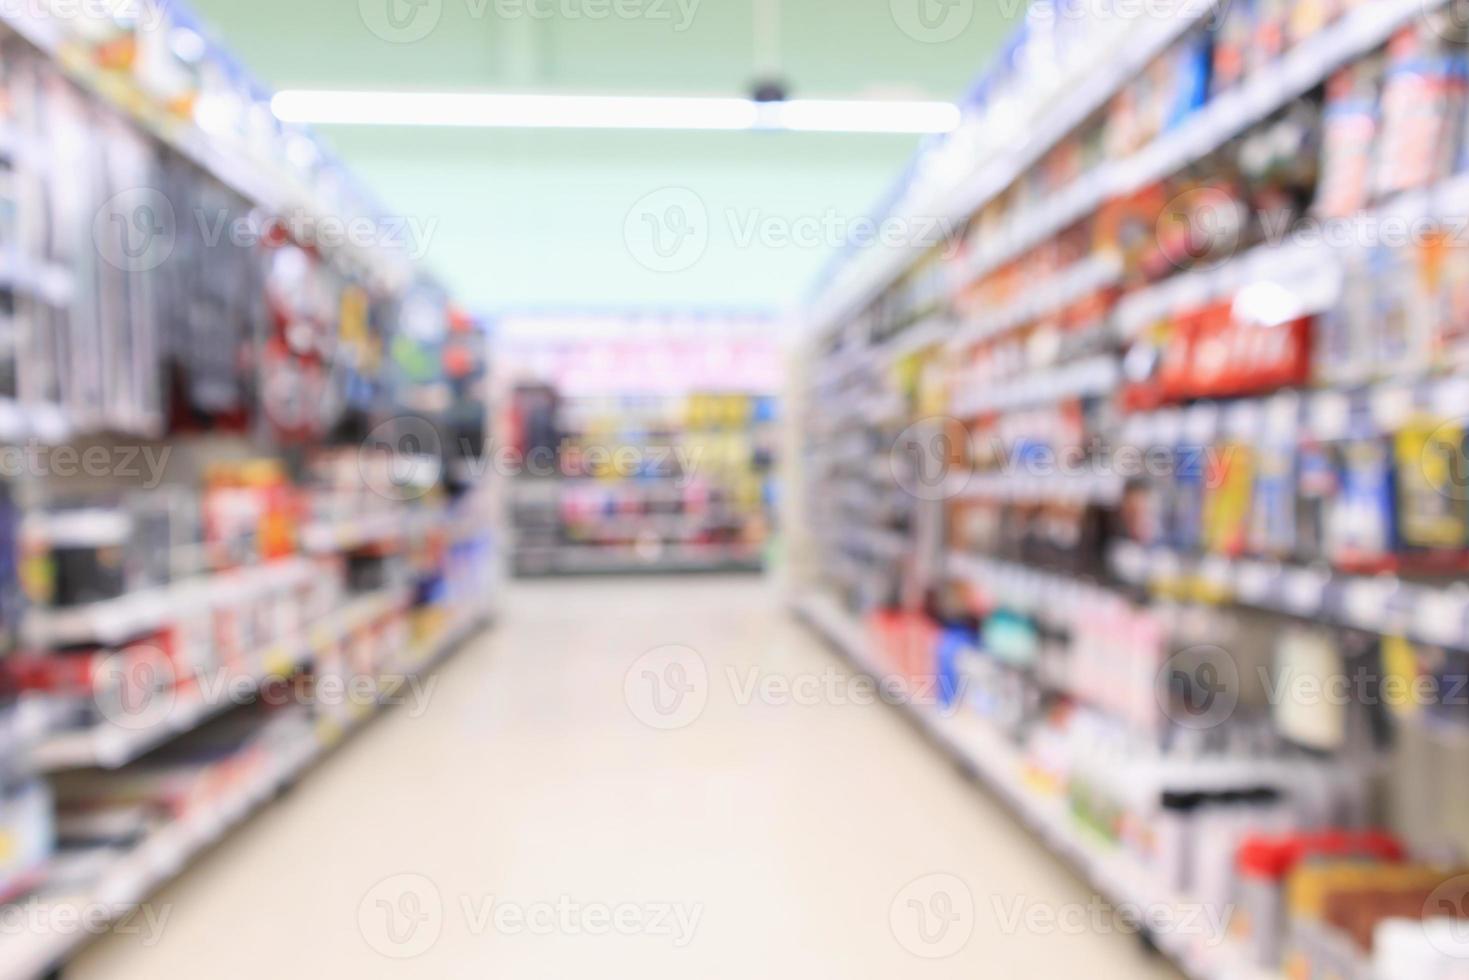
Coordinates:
<point>493,110</point>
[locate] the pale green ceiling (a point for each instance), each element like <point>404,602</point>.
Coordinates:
<point>537,218</point>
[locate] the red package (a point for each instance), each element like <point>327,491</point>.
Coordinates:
<point>1276,356</point>
<point>1176,371</point>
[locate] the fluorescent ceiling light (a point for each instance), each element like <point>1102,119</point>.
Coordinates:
<point>491,110</point>
<point>849,116</point>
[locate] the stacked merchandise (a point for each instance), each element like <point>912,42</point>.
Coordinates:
<point>649,455</point>
<point>1180,430</point>
<point>242,511</point>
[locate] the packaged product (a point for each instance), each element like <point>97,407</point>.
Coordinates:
<point>27,828</point>
<point>1192,66</point>
<point>1265,864</point>
<point>1423,97</point>
<point>1446,261</point>
<point>1432,496</point>
<point>1344,351</point>
<point>1270,26</point>
<point>1349,129</point>
<point>1361,532</point>
<point>1273,510</point>
<point>1308,671</point>
<point>1269,356</point>
<point>1309,17</point>
<point>1187,499</point>
<point>1227,507</point>
<point>1010,637</point>
<point>1278,166</point>
<point>1402,310</point>
<point>1128,228</point>
<point>168,53</point>
<point>1317,484</point>
<point>1234,39</point>
<point>1187,370</point>
<point>88,550</point>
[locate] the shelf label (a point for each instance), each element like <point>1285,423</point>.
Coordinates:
<point>1304,591</point>
<point>1365,603</point>
<point>1253,580</point>
<point>1440,617</point>
<point>1331,415</point>
<point>1392,407</point>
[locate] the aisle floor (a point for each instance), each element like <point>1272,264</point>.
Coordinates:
<point>548,817</point>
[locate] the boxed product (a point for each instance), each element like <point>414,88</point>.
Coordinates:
<point>27,837</point>
<point>1432,498</point>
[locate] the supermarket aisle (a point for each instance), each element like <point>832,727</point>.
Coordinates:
<point>529,824</point>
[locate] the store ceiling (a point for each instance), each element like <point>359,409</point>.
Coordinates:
<point>532,218</point>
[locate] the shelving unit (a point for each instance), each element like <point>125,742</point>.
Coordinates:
<point>996,765</point>
<point>216,622</point>
<point>168,850</point>
<point>1066,469</point>
<point>647,445</point>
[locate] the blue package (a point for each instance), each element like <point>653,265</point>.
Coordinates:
<point>1185,517</point>
<point>1273,504</point>
<point>1362,535</point>
<point>953,644</point>
<point>1195,69</point>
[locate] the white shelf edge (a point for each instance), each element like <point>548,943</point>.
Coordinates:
<point>1210,127</point>
<point>996,763</point>
<point>168,851</point>
<point>111,746</point>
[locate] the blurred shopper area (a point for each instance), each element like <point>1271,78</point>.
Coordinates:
<point>818,489</point>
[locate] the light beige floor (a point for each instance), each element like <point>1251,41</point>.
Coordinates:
<point>799,833</point>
